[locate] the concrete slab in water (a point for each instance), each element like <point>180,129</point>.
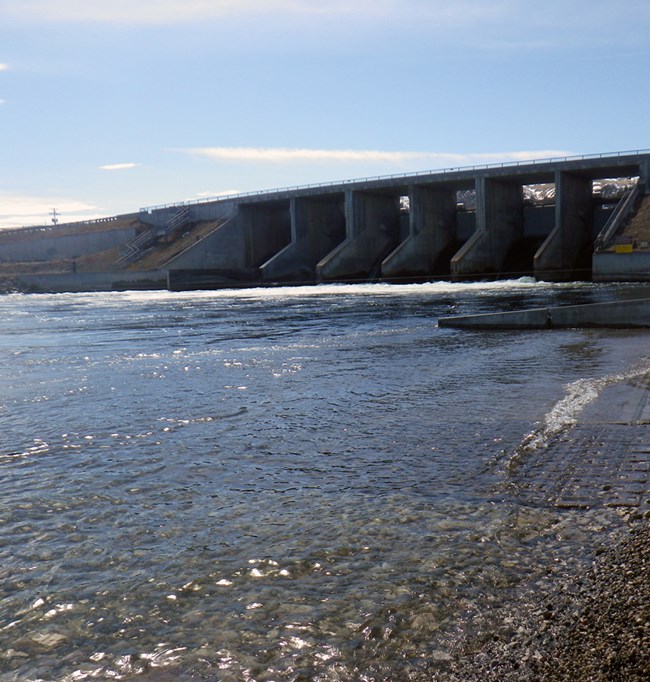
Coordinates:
<point>619,314</point>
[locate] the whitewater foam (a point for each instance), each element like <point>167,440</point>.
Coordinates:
<point>565,413</point>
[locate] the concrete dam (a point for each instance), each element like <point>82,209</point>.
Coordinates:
<point>560,220</point>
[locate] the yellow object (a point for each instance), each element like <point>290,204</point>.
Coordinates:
<point>623,248</point>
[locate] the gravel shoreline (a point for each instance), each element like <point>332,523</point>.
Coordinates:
<point>593,628</point>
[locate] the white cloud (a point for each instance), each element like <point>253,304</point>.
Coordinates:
<point>285,156</point>
<point>3,67</point>
<point>172,11</point>
<point>220,193</point>
<point>17,210</point>
<point>118,166</point>
<point>512,24</point>
<point>442,12</point>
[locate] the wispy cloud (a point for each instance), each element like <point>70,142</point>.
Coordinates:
<point>512,24</point>
<point>255,155</point>
<point>118,166</point>
<point>3,67</point>
<point>442,12</point>
<point>17,210</point>
<point>171,11</point>
<point>220,193</point>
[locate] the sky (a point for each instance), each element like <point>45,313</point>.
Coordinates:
<point>109,106</point>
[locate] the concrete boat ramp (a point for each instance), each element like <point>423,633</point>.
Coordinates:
<point>618,314</point>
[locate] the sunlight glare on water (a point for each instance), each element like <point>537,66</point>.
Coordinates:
<point>273,484</point>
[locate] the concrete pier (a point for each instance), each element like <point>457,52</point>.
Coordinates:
<point>372,222</point>
<point>499,223</point>
<point>317,228</point>
<point>432,230</point>
<point>566,254</point>
<point>620,314</point>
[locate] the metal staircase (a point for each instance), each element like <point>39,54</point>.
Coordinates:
<point>133,249</point>
<point>178,220</point>
<point>624,209</point>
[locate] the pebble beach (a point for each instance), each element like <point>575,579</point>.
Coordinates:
<point>593,626</point>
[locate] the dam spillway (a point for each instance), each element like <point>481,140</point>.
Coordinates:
<point>465,223</point>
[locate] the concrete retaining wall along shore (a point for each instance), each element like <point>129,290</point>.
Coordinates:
<point>53,247</point>
<point>85,281</point>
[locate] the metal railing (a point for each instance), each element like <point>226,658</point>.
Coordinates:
<point>181,218</point>
<point>27,229</point>
<point>397,176</point>
<point>133,249</point>
<point>623,209</point>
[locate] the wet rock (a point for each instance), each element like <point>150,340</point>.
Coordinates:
<point>47,640</point>
<point>592,628</point>
<point>441,656</point>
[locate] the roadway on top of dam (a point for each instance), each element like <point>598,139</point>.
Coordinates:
<point>594,166</point>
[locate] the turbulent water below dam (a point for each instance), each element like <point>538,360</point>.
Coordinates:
<point>308,483</point>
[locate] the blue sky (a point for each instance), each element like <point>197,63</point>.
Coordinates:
<point>107,106</point>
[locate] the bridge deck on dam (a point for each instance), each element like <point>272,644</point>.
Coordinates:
<point>488,221</point>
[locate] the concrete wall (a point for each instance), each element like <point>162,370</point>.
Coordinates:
<point>465,225</point>
<point>201,279</point>
<point>621,267</point>
<point>372,231</point>
<point>601,215</point>
<point>499,223</point>
<point>51,247</point>
<point>432,229</point>
<point>538,221</point>
<point>88,281</point>
<point>559,257</point>
<point>317,228</point>
<point>266,229</point>
<point>224,248</point>
<point>160,217</point>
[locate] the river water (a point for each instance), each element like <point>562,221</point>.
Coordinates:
<point>278,484</point>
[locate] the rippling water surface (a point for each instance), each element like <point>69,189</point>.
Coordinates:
<point>280,484</point>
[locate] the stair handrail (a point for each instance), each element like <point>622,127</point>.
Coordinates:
<point>179,219</point>
<point>134,247</point>
<point>618,215</point>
